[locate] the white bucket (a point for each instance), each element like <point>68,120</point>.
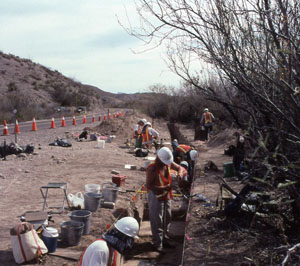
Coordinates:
<point>94,188</point>
<point>100,143</point>
<point>50,232</point>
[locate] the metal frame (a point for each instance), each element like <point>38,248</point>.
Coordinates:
<point>53,185</point>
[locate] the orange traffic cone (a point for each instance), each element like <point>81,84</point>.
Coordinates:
<point>52,123</point>
<point>93,119</point>
<point>63,122</point>
<point>99,119</point>
<point>34,126</point>
<point>84,119</point>
<point>5,129</point>
<point>17,129</point>
<point>104,117</point>
<point>74,121</point>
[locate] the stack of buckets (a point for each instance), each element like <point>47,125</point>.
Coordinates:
<point>79,223</point>
<point>92,197</point>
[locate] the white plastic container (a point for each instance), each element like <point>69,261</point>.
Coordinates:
<point>50,232</point>
<point>93,188</point>
<point>100,143</point>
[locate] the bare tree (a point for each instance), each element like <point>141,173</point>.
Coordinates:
<point>252,49</point>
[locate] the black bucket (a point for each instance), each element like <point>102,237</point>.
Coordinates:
<point>71,232</point>
<point>82,216</point>
<point>92,201</point>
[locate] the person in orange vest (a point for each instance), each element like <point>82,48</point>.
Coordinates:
<point>184,182</point>
<point>150,135</point>
<point>159,186</point>
<point>207,121</point>
<point>186,153</point>
<point>108,250</point>
<point>137,133</point>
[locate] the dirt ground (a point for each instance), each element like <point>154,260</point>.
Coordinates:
<point>22,176</point>
<point>208,238</point>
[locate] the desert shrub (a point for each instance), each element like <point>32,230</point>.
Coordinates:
<point>12,86</point>
<point>16,100</point>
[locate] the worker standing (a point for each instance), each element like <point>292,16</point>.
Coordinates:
<point>207,121</point>
<point>137,133</point>
<point>159,185</point>
<point>108,250</point>
<point>150,135</point>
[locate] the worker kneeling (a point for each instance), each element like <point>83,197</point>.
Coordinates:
<point>108,250</point>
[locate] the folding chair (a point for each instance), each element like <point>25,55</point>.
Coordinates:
<point>44,191</point>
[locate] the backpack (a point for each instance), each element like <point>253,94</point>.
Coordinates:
<point>141,153</point>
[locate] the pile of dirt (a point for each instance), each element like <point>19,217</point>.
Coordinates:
<point>123,126</point>
<point>224,138</point>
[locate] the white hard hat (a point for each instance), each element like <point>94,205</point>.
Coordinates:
<point>205,110</point>
<point>185,163</point>
<point>128,226</point>
<point>193,155</point>
<point>148,123</point>
<point>144,121</point>
<point>165,155</point>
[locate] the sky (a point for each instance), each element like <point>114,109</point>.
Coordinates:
<point>83,40</point>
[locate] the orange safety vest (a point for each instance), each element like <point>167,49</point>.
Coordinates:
<point>207,118</point>
<point>183,148</point>
<point>112,255</point>
<point>162,182</point>
<point>147,138</point>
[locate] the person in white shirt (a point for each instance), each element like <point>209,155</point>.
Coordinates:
<point>108,250</point>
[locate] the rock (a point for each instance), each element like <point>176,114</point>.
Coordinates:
<point>115,172</point>
<point>27,172</point>
<point>2,176</point>
<point>22,155</point>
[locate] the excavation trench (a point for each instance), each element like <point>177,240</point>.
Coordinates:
<point>143,253</point>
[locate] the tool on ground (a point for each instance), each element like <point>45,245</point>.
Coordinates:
<point>145,192</point>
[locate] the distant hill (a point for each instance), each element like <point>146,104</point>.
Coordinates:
<point>35,90</point>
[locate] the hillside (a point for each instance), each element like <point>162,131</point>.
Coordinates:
<point>35,90</point>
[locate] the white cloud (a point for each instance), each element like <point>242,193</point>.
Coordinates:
<point>81,39</point>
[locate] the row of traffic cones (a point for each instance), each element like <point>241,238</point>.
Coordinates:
<point>17,128</point>
<point>63,123</point>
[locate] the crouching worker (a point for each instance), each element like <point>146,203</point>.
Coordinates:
<point>159,185</point>
<point>108,250</point>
